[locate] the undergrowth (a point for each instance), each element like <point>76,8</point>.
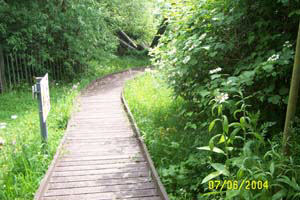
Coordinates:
<point>170,138</point>
<point>192,153</point>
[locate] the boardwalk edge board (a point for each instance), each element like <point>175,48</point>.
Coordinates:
<point>154,174</point>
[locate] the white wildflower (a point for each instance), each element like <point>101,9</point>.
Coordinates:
<point>222,97</point>
<point>215,70</point>
<point>74,87</point>
<point>273,57</point>
<point>14,117</point>
<point>287,44</point>
<point>2,125</point>
<point>2,142</point>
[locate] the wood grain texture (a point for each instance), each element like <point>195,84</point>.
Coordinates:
<point>100,156</point>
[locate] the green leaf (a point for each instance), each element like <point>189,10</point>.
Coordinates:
<point>289,182</point>
<point>246,194</point>
<point>215,149</point>
<point>212,124</point>
<point>211,141</point>
<point>225,124</point>
<point>211,176</point>
<point>235,113</point>
<point>275,99</point>
<point>258,136</point>
<point>240,173</point>
<point>204,93</point>
<point>233,134</point>
<point>214,76</point>
<point>231,193</point>
<point>272,167</point>
<point>213,54</point>
<point>268,68</point>
<point>194,126</point>
<point>222,139</point>
<point>220,107</point>
<point>279,195</point>
<point>220,168</point>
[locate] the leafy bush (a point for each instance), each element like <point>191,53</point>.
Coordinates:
<point>247,157</point>
<point>216,49</point>
<point>246,40</point>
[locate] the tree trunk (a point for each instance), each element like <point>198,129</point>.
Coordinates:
<point>160,32</point>
<point>293,96</point>
<point>127,39</point>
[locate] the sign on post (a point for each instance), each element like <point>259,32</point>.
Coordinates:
<point>42,90</point>
<point>45,97</point>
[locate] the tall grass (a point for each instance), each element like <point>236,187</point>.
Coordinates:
<point>22,160</point>
<point>171,141</point>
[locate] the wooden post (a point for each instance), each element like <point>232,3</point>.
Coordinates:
<point>2,72</point>
<point>13,69</point>
<point>25,68</point>
<point>9,71</point>
<point>293,96</point>
<point>17,68</point>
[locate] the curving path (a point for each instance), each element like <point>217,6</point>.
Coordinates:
<point>100,157</point>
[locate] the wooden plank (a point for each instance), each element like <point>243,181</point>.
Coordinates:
<point>122,175</point>
<point>105,141</point>
<point>144,198</point>
<point>107,195</point>
<point>101,157</point>
<point>95,150</point>
<point>98,171</point>
<point>92,148</point>
<point>99,189</point>
<point>94,183</point>
<point>100,166</point>
<point>98,135</point>
<point>98,162</point>
<point>68,154</point>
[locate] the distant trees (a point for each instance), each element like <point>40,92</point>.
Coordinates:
<point>71,30</point>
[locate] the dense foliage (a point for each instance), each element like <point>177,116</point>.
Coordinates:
<point>72,30</point>
<point>232,61</point>
<point>246,40</point>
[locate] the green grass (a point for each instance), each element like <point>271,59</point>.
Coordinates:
<point>22,160</point>
<point>169,138</point>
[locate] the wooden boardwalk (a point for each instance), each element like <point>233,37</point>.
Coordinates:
<point>100,156</point>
